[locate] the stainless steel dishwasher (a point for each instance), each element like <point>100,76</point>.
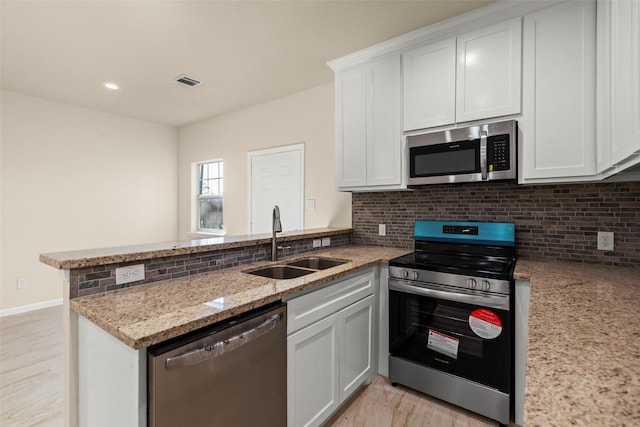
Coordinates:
<point>231,374</point>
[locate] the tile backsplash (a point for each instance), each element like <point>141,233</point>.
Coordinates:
<point>99,279</point>
<point>553,222</point>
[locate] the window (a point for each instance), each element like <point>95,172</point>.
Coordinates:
<point>210,189</point>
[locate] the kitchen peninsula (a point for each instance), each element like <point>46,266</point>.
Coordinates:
<point>582,363</point>
<point>192,285</point>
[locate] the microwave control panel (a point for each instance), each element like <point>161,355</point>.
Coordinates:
<point>498,153</point>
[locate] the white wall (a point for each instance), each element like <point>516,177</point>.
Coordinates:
<point>306,117</point>
<point>73,178</point>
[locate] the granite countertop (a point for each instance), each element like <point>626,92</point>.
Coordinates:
<point>583,361</point>
<point>93,257</point>
<point>149,314</point>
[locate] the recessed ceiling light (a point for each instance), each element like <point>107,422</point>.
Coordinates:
<point>111,86</point>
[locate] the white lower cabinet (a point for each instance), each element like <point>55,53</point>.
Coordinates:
<point>313,390</point>
<point>330,358</point>
<point>112,380</point>
<point>356,345</point>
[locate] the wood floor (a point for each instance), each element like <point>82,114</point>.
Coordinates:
<point>382,405</point>
<point>31,384</point>
<point>31,377</point>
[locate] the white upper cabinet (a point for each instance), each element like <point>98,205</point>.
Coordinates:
<point>618,84</point>
<point>569,73</point>
<point>557,128</point>
<point>384,132</point>
<point>474,76</point>
<point>429,90</point>
<point>489,72</point>
<point>351,128</point>
<point>368,126</point>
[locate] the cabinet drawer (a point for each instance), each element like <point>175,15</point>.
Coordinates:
<point>306,309</point>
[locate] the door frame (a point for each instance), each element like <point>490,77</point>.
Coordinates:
<point>281,149</point>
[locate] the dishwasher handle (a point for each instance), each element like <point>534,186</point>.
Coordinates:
<point>221,347</point>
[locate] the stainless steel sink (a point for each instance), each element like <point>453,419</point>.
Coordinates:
<point>297,268</point>
<point>280,272</point>
<point>317,263</point>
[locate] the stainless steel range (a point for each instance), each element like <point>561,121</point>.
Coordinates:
<point>451,315</point>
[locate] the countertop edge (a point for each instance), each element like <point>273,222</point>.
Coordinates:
<point>119,254</point>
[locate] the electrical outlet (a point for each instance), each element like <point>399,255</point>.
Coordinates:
<point>382,229</point>
<point>326,241</point>
<point>605,241</point>
<point>317,243</point>
<point>21,283</point>
<point>129,274</point>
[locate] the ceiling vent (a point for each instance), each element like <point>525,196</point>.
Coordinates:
<point>186,81</point>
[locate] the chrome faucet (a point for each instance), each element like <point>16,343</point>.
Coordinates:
<point>276,227</point>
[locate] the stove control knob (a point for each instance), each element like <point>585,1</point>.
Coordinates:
<point>471,283</point>
<point>405,274</point>
<point>414,275</point>
<point>486,285</point>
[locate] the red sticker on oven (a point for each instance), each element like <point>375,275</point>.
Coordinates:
<point>485,323</point>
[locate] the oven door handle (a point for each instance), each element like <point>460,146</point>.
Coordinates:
<point>494,301</point>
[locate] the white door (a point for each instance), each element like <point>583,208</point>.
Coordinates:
<point>276,178</point>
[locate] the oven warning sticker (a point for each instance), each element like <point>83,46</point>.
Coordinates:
<point>443,343</point>
<point>485,323</point>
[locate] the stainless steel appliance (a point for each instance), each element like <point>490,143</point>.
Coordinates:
<point>230,374</point>
<point>476,153</point>
<point>451,315</point>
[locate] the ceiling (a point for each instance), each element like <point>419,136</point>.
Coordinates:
<point>245,52</point>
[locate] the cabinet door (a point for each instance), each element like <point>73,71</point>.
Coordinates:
<point>558,124</point>
<point>351,128</point>
<point>313,388</point>
<point>625,79</point>
<point>356,345</point>
<point>489,72</point>
<point>429,85</point>
<point>384,135</point>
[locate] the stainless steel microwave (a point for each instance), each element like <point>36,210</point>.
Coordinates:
<point>481,153</point>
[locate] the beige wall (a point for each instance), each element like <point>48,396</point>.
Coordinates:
<point>306,117</point>
<point>73,178</point>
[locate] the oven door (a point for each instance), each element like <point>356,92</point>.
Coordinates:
<point>456,331</point>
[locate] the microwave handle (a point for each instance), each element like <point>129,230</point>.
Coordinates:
<point>483,155</point>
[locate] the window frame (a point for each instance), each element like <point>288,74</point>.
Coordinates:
<point>199,197</point>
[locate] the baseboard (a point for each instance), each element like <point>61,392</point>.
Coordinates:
<point>30,307</point>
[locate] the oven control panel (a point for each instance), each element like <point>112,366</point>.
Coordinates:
<point>457,229</point>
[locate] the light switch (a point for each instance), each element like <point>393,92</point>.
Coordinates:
<point>311,204</point>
